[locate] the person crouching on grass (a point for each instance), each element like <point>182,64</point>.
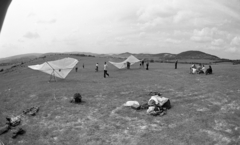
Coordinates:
<point>105,70</point>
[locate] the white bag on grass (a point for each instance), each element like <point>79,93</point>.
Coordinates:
<point>132,103</point>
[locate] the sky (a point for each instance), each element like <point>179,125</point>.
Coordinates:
<point>117,26</point>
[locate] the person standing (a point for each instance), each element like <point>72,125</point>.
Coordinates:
<point>128,65</point>
<point>176,64</point>
<point>147,65</point>
<point>76,68</point>
<point>105,70</point>
<point>96,67</point>
<point>83,65</point>
<point>143,63</point>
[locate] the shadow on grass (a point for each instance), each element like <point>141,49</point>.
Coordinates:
<point>81,103</point>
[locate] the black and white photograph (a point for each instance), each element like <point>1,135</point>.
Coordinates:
<point>119,72</point>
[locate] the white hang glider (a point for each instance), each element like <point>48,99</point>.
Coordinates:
<point>58,68</point>
<point>123,64</point>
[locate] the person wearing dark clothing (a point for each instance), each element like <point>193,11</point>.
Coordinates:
<point>143,63</point>
<point>105,70</point>
<point>128,65</point>
<point>147,65</point>
<point>83,66</point>
<point>97,67</point>
<point>176,64</point>
<point>209,70</point>
<point>76,68</point>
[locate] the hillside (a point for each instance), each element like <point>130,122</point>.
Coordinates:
<point>20,58</point>
<point>187,55</point>
<point>169,56</point>
<point>204,108</point>
<point>195,55</point>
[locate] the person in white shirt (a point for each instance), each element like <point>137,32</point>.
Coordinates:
<point>193,69</point>
<point>105,70</point>
<point>96,67</point>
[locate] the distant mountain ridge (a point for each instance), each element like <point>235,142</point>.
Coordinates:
<point>196,55</point>
<point>192,54</point>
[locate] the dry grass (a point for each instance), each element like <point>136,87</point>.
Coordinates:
<point>205,108</point>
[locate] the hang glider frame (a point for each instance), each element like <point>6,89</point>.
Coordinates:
<point>52,75</point>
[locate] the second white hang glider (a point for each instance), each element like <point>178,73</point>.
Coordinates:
<point>58,68</point>
<point>123,64</point>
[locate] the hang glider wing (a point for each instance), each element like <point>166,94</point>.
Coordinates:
<point>59,68</point>
<point>121,65</point>
<point>132,59</point>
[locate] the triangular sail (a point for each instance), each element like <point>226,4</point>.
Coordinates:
<point>123,64</point>
<point>59,68</point>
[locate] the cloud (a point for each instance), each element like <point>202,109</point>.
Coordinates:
<point>203,35</point>
<point>47,21</point>
<point>152,16</point>
<point>170,40</point>
<point>70,40</point>
<point>235,41</point>
<point>208,35</point>
<point>20,40</point>
<point>121,41</point>
<point>31,14</point>
<point>217,42</point>
<point>31,35</point>
<point>181,33</point>
<point>211,47</point>
<point>184,15</point>
<point>142,34</point>
<point>154,11</point>
<point>231,49</point>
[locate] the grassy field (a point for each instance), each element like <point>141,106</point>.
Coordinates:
<point>205,108</point>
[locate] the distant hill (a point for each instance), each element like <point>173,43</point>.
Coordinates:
<point>20,58</point>
<point>187,55</point>
<point>168,56</point>
<point>165,56</point>
<point>125,54</point>
<point>195,55</point>
<point>85,53</point>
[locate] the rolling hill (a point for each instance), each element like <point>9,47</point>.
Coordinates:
<point>20,58</point>
<point>187,55</point>
<point>169,56</point>
<point>195,55</point>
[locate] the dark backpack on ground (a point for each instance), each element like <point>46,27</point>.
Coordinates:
<point>77,98</point>
<point>167,105</point>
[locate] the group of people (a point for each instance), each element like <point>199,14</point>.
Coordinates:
<point>105,67</point>
<point>142,64</point>
<point>194,69</point>
<point>200,69</point>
